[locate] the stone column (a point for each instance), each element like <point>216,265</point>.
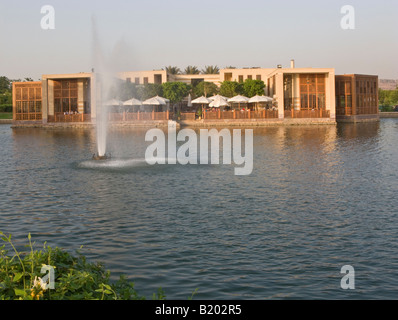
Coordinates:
<point>278,91</point>
<point>330,91</point>
<point>44,100</point>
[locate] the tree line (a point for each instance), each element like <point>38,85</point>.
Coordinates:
<point>177,91</point>
<point>6,92</point>
<point>388,99</point>
<point>193,70</point>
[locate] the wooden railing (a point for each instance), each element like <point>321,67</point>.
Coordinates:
<point>28,116</point>
<point>188,116</point>
<point>237,114</point>
<point>79,117</point>
<point>140,116</point>
<point>367,110</point>
<point>307,113</point>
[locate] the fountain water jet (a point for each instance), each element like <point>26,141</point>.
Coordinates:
<point>104,80</point>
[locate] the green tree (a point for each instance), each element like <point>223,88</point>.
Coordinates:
<point>173,70</point>
<point>205,88</point>
<point>231,88</point>
<point>5,84</point>
<point>253,87</point>
<point>211,70</point>
<point>388,97</point>
<point>175,91</point>
<point>191,70</point>
<point>149,90</point>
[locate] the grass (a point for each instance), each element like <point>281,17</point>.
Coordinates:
<point>6,115</point>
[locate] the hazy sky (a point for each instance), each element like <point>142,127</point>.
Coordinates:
<point>152,34</point>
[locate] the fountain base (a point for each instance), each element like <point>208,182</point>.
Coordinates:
<point>104,157</point>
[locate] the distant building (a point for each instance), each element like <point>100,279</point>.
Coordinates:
<point>388,84</point>
<point>357,97</point>
<point>298,93</point>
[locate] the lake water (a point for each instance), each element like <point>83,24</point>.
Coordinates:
<point>319,198</point>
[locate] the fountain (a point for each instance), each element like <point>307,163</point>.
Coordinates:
<point>103,81</point>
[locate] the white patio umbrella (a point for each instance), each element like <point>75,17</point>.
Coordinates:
<point>155,101</point>
<point>189,101</point>
<point>113,102</point>
<point>257,99</point>
<point>216,96</point>
<point>201,100</point>
<point>238,99</point>
<point>132,102</point>
<point>219,102</point>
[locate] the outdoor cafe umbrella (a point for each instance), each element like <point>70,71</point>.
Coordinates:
<point>113,102</point>
<point>257,99</point>
<point>155,101</point>
<point>239,99</point>
<point>217,96</point>
<point>218,102</point>
<point>189,104</point>
<point>132,102</point>
<point>201,100</point>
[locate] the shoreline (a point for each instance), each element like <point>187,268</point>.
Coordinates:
<point>182,123</point>
<point>194,123</point>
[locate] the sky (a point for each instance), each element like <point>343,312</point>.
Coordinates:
<point>152,34</point>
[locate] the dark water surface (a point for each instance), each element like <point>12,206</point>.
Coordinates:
<point>319,198</point>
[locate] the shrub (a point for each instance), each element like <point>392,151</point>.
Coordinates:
<point>75,277</point>
<point>5,107</point>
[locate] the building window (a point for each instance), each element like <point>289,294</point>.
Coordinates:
<point>249,77</point>
<point>258,77</point>
<point>28,101</point>
<point>137,80</point>
<point>228,76</point>
<point>312,91</point>
<point>158,78</point>
<point>65,96</point>
<point>146,80</point>
<point>128,80</point>
<point>240,79</point>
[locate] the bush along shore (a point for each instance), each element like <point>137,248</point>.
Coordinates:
<point>54,274</point>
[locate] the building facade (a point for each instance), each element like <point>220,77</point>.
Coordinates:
<point>357,98</point>
<point>298,93</point>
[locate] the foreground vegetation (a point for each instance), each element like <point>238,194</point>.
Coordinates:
<point>388,99</point>
<point>74,277</point>
<point>6,115</point>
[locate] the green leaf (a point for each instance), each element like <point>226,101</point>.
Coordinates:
<point>17,276</point>
<point>20,292</point>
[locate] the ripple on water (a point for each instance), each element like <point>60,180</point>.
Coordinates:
<point>318,198</point>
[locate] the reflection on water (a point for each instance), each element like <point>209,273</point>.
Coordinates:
<point>319,197</point>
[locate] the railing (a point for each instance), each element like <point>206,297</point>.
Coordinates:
<point>367,110</point>
<point>28,116</point>
<point>307,113</point>
<point>140,116</point>
<point>79,117</point>
<point>188,116</point>
<point>237,114</point>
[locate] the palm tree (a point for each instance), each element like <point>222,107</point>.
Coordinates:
<point>173,70</point>
<point>211,70</point>
<point>191,70</point>
<point>230,67</point>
